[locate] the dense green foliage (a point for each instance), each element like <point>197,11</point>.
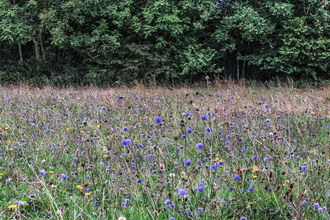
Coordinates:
<point>117,41</point>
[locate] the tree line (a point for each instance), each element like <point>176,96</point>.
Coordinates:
<point>118,41</point>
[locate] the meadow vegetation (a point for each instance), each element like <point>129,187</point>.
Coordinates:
<point>226,151</point>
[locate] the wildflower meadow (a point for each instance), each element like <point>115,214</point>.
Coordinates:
<point>226,151</point>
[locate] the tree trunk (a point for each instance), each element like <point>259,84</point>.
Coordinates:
<point>237,66</point>
<point>36,47</point>
<point>226,7</point>
<point>20,51</point>
<point>41,44</point>
<point>244,62</point>
<point>19,45</point>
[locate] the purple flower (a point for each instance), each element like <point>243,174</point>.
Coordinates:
<point>204,117</point>
<point>236,177</point>
<point>303,168</point>
<point>250,189</point>
<point>42,172</point>
<point>158,120</point>
<point>200,146</point>
<point>189,130</point>
<point>8,180</point>
<point>124,142</point>
<point>167,202</point>
<point>31,196</point>
<point>182,192</point>
<point>187,163</point>
<point>63,177</point>
<point>201,189</point>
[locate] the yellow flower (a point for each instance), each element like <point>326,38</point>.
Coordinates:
<point>105,156</point>
<point>1,174</point>
<point>99,125</point>
<point>217,159</point>
<point>256,170</point>
<point>88,194</point>
<point>79,187</point>
<point>8,142</point>
<point>51,171</point>
<point>12,207</point>
<point>254,177</point>
<point>284,184</point>
<point>11,149</point>
<point>291,155</point>
<point>68,129</point>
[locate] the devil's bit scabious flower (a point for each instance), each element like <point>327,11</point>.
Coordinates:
<point>158,120</point>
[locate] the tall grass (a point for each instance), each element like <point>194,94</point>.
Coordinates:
<point>264,153</point>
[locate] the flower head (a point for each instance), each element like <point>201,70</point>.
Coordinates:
<point>182,192</point>
<point>158,120</point>
<point>12,207</point>
<point>167,202</point>
<point>42,172</point>
<point>236,177</point>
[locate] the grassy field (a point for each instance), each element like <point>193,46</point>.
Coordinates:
<point>226,151</point>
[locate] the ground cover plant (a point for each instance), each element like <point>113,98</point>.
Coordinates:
<point>226,151</point>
